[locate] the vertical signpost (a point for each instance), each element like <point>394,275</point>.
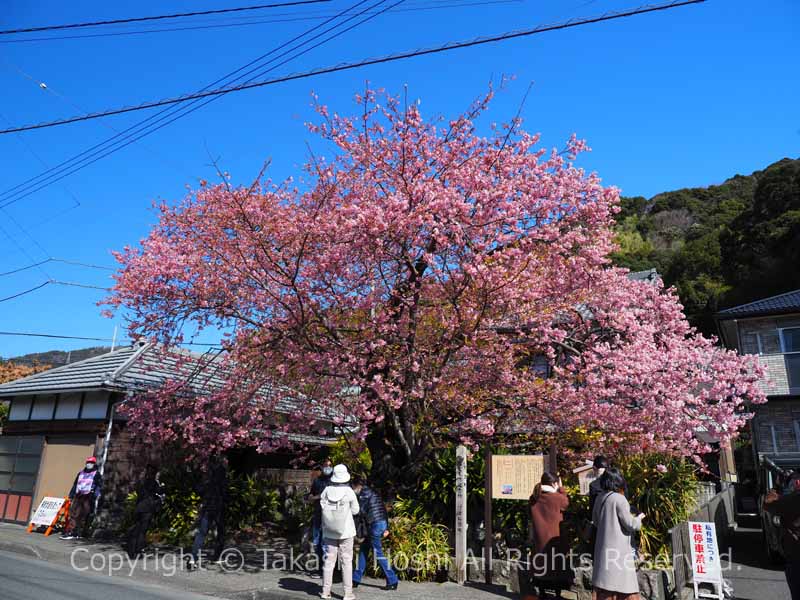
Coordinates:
<point>706,568</point>
<point>461,514</point>
<point>488,537</point>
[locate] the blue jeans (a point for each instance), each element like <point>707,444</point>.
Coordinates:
<point>208,519</point>
<point>374,541</point>
<point>316,541</point>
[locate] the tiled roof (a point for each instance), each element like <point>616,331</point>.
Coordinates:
<point>775,305</point>
<point>650,275</point>
<point>146,366</point>
<point>91,373</point>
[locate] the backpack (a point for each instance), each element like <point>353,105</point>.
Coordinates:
<point>335,517</point>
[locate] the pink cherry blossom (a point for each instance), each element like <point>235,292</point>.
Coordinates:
<point>403,288</point>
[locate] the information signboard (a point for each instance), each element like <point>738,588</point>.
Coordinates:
<point>49,511</point>
<point>514,476</point>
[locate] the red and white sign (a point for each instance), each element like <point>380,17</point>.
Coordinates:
<point>47,511</point>
<point>706,565</point>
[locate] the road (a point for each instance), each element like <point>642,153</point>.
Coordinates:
<point>23,578</point>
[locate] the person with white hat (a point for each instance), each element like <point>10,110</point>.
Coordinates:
<point>339,503</point>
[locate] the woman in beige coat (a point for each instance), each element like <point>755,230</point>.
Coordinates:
<point>614,568</point>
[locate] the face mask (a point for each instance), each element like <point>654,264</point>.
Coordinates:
<point>90,466</point>
<point>327,470</point>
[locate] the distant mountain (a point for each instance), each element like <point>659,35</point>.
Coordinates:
<point>720,245</point>
<point>58,358</point>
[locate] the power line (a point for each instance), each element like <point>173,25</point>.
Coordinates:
<point>90,339</point>
<point>355,65</point>
<point>159,17</point>
<point>55,282</point>
<point>147,126</point>
<point>242,24</point>
<point>58,337</point>
<point>58,260</point>
<point>33,289</point>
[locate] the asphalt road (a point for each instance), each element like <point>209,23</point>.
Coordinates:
<point>23,578</point>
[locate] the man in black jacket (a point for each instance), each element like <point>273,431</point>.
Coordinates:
<point>215,495</point>
<point>149,496</point>
<point>83,496</point>
<point>599,467</point>
<point>373,511</point>
<point>317,487</point>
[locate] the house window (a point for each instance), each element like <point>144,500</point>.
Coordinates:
<point>20,408</point>
<point>43,407</point>
<point>69,406</point>
<point>767,336</point>
<point>791,339</point>
<point>95,406</point>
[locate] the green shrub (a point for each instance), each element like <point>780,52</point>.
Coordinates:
<point>251,503</point>
<point>436,498</point>
<point>418,550</point>
<point>664,488</point>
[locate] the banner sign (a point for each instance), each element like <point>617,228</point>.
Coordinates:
<point>514,476</point>
<point>706,566</point>
<point>47,511</point>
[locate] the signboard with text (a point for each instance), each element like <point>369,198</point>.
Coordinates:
<point>514,476</point>
<point>705,554</point>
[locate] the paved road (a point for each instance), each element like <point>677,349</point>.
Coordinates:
<point>23,578</point>
<point>751,574</point>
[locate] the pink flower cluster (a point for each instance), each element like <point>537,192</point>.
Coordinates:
<point>407,285</point>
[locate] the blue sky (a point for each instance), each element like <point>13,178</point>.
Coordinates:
<point>680,98</point>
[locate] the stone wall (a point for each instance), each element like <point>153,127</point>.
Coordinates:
<point>123,468</point>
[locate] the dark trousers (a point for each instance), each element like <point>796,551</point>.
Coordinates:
<point>208,519</point>
<point>137,535</point>
<point>79,510</point>
<point>793,577</point>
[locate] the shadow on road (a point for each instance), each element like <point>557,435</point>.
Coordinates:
<point>294,584</point>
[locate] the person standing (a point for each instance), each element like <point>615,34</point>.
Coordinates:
<point>787,507</point>
<point>598,468</point>
<point>547,506</point>
<point>614,567</point>
<point>212,513</point>
<point>83,497</point>
<point>338,504</point>
<point>149,496</point>
<point>373,511</point>
<point>317,487</point>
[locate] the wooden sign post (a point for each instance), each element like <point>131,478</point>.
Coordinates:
<point>461,514</point>
<point>510,477</point>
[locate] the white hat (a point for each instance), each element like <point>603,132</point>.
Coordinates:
<point>340,474</point>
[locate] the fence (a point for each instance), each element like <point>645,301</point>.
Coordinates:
<point>720,510</point>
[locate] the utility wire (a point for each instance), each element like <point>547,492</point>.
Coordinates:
<point>88,339</point>
<point>97,152</point>
<point>33,289</point>
<point>58,337</point>
<point>363,63</point>
<point>58,260</point>
<point>55,282</point>
<point>160,17</point>
<point>241,24</point>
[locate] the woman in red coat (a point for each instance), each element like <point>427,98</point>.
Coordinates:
<point>550,567</point>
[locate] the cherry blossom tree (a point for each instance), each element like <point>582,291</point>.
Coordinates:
<point>407,287</point>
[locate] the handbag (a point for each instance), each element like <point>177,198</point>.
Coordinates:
<point>362,527</point>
